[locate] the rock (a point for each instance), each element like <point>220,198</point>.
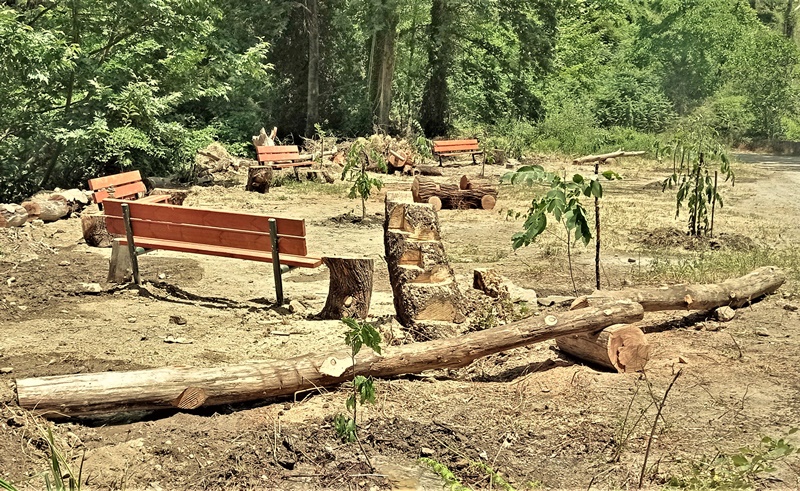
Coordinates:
<point>131,319</point>
<point>555,300</point>
<point>91,288</point>
<point>296,307</point>
<point>725,314</point>
<point>5,370</point>
<point>177,319</point>
<point>162,276</point>
<point>426,452</point>
<point>790,307</point>
<point>172,340</point>
<point>712,326</point>
<point>762,332</point>
<point>64,263</point>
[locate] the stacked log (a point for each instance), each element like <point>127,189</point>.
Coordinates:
<point>462,196</point>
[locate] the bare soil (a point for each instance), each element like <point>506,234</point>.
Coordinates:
<point>533,414</point>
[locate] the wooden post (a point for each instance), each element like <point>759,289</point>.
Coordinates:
<point>597,230</point>
<point>276,260</point>
<point>126,217</point>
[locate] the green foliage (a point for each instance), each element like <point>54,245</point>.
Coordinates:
<point>355,170</point>
<point>450,479</point>
<point>359,334</point>
<point>454,484</point>
<point>693,152</point>
<point>59,476</point>
<point>737,470</point>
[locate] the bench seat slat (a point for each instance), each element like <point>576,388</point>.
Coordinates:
<point>211,250</point>
<point>210,218</point>
<point>211,236</point>
<point>460,149</point>
<point>294,164</point>
<point>115,180</point>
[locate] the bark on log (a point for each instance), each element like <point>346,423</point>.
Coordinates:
<point>176,196</point>
<point>12,215</point>
<point>621,347</point>
<point>48,210</point>
<point>429,170</point>
<point>423,282</point>
<point>189,388</point>
<point>160,182</point>
<point>259,178</point>
<point>606,156</point>
<point>349,289</point>
<point>75,198</point>
<point>94,230</point>
<point>732,293</point>
<point>451,196</point>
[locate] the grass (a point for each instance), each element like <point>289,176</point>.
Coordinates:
<point>59,476</point>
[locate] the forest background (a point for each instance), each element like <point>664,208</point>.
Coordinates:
<point>91,87</point>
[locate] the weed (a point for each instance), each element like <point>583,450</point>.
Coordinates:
<point>450,480</point>
<point>496,481</point>
<point>58,471</point>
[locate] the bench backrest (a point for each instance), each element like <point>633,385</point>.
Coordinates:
<point>127,185</point>
<point>278,153</point>
<point>453,146</point>
<point>248,231</point>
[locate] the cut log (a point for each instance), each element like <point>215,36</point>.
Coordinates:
<point>176,196</point>
<point>429,170</point>
<point>732,293</point>
<point>488,202</point>
<point>484,186</point>
<point>451,196</point>
<point>422,280</point>
<point>435,202</point>
<point>620,347</point>
<point>120,268</point>
<point>489,282</point>
<point>160,182</point>
<point>265,140</point>
<point>349,289</point>
<point>259,178</point>
<point>162,388</point>
<point>12,215</point>
<point>94,230</point>
<point>75,198</point>
<point>48,210</point>
<point>606,156</point>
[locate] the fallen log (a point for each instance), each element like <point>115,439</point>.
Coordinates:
<point>192,387</point>
<point>451,196</point>
<point>429,170</point>
<point>49,210</point>
<point>732,293</point>
<point>606,156</point>
<point>12,215</point>
<point>621,347</point>
<point>349,289</point>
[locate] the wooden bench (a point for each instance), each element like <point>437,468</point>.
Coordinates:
<point>247,236</point>
<point>445,148</point>
<point>282,157</point>
<point>127,185</point>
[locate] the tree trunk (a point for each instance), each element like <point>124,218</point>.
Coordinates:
<point>732,293</point>
<point>382,61</point>
<point>49,210</point>
<point>176,196</point>
<point>429,170</point>
<point>312,100</point>
<point>434,115</point>
<point>451,196</point>
<point>350,287</point>
<point>423,282</point>
<point>189,388</point>
<point>620,347</point>
<point>259,178</point>
<point>94,230</point>
<point>12,215</point>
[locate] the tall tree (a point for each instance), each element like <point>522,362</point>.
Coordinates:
<point>434,116</point>
<point>312,104</point>
<point>382,61</point>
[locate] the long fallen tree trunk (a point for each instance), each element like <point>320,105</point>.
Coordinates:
<point>190,388</point>
<point>732,293</point>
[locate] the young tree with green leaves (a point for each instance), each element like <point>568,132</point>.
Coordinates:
<point>355,170</point>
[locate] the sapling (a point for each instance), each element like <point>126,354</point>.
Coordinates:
<point>359,334</point>
<point>355,170</point>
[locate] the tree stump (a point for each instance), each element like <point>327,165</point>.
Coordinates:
<point>12,215</point>
<point>620,347</point>
<point>350,287</point>
<point>120,269</point>
<point>176,196</point>
<point>489,282</point>
<point>94,230</point>
<point>423,282</point>
<point>48,210</point>
<point>259,178</point>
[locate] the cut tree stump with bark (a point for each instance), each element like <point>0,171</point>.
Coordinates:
<point>489,282</point>
<point>12,215</point>
<point>94,230</point>
<point>621,347</point>
<point>192,387</point>
<point>451,196</point>
<point>423,282</point>
<point>259,178</point>
<point>47,210</point>
<point>733,293</point>
<point>350,287</point>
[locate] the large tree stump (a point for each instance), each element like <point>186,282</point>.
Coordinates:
<point>621,347</point>
<point>50,210</point>
<point>259,178</point>
<point>192,387</point>
<point>423,282</point>
<point>176,196</point>
<point>94,230</point>
<point>12,215</point>
<point>350,287</point>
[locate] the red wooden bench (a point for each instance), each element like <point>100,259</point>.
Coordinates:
<point>127,185</point>
<point>445,148</point>
<point>247,236</point>
<point>282,157</point>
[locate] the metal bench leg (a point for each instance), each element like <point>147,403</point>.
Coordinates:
<point>440,160</point>
<point>473,160</point>
<point>276,260</point>
<point>126,217</point>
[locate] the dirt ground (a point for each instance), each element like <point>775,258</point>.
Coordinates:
<point>536,416</point>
